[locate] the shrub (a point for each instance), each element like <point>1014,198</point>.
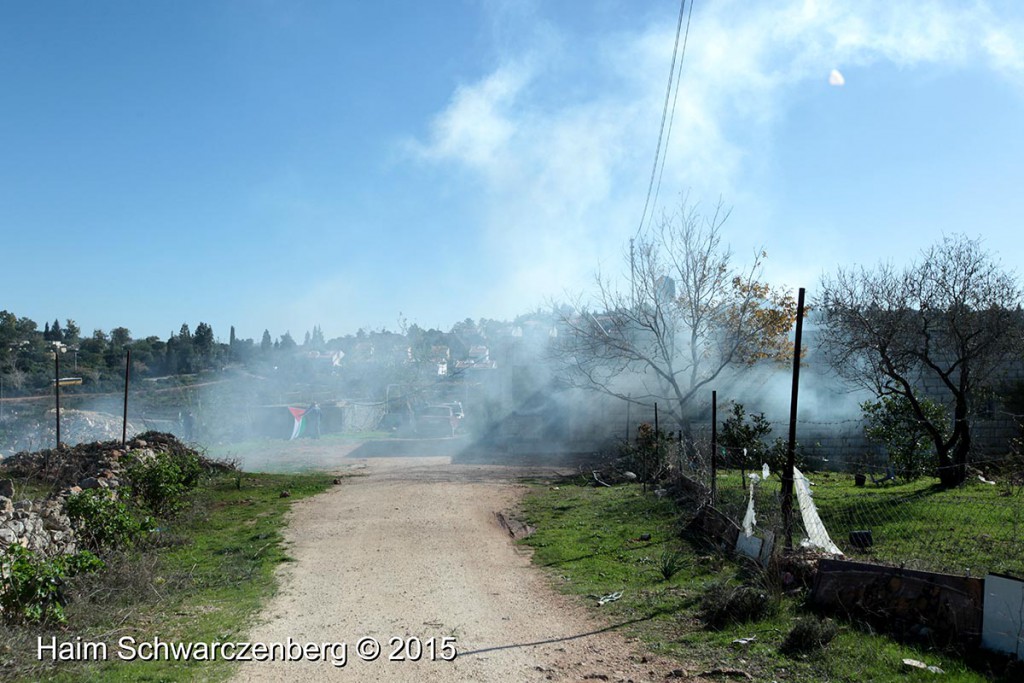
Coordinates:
<point>742,432</point>
<point>650,456</point>
<point>743,438</point>
<point>32,587</point>
<point>808,634</point>
<point>724,604</point>
<point>672,560</point>
<point>161,482</point>
<point>103,521</point>
<point>892,423</point>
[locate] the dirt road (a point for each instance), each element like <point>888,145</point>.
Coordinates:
<point>409,548</point>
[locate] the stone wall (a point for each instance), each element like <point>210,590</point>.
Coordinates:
<point>39,525</point>
<point>43,525</point>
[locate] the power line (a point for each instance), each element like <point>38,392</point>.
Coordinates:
<point>664,111</point>
<point>675,98</point>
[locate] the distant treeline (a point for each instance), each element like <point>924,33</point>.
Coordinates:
<point>27,353</point>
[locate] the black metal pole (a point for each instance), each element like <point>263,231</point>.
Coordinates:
<point>787,475</point>
<point>628,403</point>
<point>714,446</point>
<point>647,460</point>
<point>56,389</point>
<point>127,375</point>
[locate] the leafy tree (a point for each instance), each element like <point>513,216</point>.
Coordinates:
<point>686,315</point>
<point>750,432</point>
<point>891,422</point>
<point>56,334</point>
<point>147,354</point>
<point>14,377</point>
<point>951,318</point>
<point>203,343</point>
<point>244,349</point>
<point>743,438</point>
<point>287,343</point>
<point>91,350</point>
<point>8,329</point>
<point>27,328</point>
<point>266,344</point>
<point>120,337</point>
<point>71,331</point>
<point>180,354</point>
<point>318,337</point>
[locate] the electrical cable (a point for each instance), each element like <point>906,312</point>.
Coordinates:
<point>675,98</point>
<point>664,112</point>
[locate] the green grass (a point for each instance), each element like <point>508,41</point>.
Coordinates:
<point>589,539</point>
<point>203,579</point>
<point>975,528</point>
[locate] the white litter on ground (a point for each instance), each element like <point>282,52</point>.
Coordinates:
<point>817,535</point>
<point>750,519</point>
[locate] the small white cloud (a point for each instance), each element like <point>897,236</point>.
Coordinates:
<point>836,78</point>
<point>479,122</point>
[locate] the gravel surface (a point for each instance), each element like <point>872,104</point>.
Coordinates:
<point>409,548</point>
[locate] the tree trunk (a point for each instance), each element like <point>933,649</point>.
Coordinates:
<point>953,470</point>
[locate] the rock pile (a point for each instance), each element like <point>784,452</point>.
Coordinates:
<point>89,465</point>
<point>43,525</point>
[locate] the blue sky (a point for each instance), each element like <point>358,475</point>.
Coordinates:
<point>286,164</point>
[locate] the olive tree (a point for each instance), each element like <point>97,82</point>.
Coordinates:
<point>945,322</point>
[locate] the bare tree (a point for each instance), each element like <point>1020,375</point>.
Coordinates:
<point>951,318</point>
<point>685,316</point>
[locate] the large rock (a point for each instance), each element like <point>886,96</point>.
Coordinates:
<point>6,488</point>
<point>6,505</point>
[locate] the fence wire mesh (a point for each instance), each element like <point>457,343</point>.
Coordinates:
<point>875,516</point>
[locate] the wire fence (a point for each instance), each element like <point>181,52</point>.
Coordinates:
<point>871,512</point>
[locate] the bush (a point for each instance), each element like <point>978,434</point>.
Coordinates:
<point>672,560</point>
<point>161,482</point>
<point>743,438</point>
<point>808,634</point>
<point>723,604</point>
<point>744,443</point>
<point>650,456</point>
<point>32,587</point>
<point>103,521</point>
<point>892,423</point>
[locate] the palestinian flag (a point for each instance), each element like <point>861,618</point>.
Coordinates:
<point>300,422</point>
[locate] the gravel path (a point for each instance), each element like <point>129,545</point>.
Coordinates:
<point>410,548</point>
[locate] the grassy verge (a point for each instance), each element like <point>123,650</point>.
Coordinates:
<point>199,579</point>
<point>598,541</point>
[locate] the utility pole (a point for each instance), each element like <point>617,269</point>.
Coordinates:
<point>56,391</point>
<point>632,273</point>
<point>787,476</point>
